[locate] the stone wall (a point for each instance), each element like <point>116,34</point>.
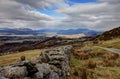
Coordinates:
<point>52,63</point>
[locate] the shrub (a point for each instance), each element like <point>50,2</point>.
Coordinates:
<point>90,64</point>
<point>112,56</point>
<point>83,74</point>
<point>83,56</point>
<point>107,62</point>
<point>23,48</point>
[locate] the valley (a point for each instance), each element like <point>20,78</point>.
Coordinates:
<point>59,39</point>
<point>88,57</point>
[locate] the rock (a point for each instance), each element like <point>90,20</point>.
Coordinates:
<point>38,75</point>
<point>2,76</point>
<point>52,63</point>
<point>23,58</point>
<point>27,78</point>
<point>15,72</point>
<point>44,68</point>
<point>31,69</point>
<point>87,50</point>
<point>54,75</point>
<point>59,57</point>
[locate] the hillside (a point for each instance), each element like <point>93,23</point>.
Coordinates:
<point>111,34</point>
<point>18,45</point>
<point>88,62</point>
<point>84,64</point>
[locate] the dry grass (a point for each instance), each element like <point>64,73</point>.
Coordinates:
<point>102,65</point>
<point>114,43</point>
<point>12,58</point>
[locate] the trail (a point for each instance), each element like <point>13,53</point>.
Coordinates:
<point>109,49</point>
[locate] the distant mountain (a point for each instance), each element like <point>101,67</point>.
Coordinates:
<point>26,31</point>
<point>111,34</point>
<point>18,31</point>
<point>78,31</point>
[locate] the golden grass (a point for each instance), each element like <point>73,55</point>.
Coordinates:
<point>13,58</point>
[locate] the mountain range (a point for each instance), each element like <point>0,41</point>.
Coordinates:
<point>26,31</point>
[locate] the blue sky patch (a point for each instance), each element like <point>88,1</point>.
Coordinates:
<point>83,1</point>
<point>50,12</point>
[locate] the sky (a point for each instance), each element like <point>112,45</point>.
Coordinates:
<point>60,14</point>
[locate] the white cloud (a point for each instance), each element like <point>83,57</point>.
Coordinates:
<point>100,15</point>
<point>104,15</point>
<point>18,15</point>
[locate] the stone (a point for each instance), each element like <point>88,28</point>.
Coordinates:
<point>44,68</point>
<point>54,75</point>
<point>15,72</point>
<point>38,75</point>
<point>23,58</point>
<point>26,78</point>
<point>2,76</point>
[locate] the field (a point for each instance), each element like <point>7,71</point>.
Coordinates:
<point>97,64</point>
<point>13,58</point>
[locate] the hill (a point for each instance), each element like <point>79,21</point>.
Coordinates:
<point>111,34</point>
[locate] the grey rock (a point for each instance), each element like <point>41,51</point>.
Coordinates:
<point>38,75</point>
<point>26,78</point>
<point>44,68</point>
<point>54,75</point>
<point>2,76</point>
<point>15,72</point>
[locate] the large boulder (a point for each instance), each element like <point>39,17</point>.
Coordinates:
<point>58,57</point>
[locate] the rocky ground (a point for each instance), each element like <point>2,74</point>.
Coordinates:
<point>52,63</point>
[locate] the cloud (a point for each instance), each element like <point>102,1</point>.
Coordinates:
<point>44,3</point>
<point>100,15</point>
<point>104,14</point>
<point>19,15</point>
<point>110,1</point>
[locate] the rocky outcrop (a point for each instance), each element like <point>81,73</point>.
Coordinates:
<point>52,63</point>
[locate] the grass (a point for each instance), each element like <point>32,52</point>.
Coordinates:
<point>115,43</point>
<point>13,58</point>
<point>100,72</point>
<point>75,61</point>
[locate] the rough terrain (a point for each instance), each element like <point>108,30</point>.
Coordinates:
<point>52,63</point>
